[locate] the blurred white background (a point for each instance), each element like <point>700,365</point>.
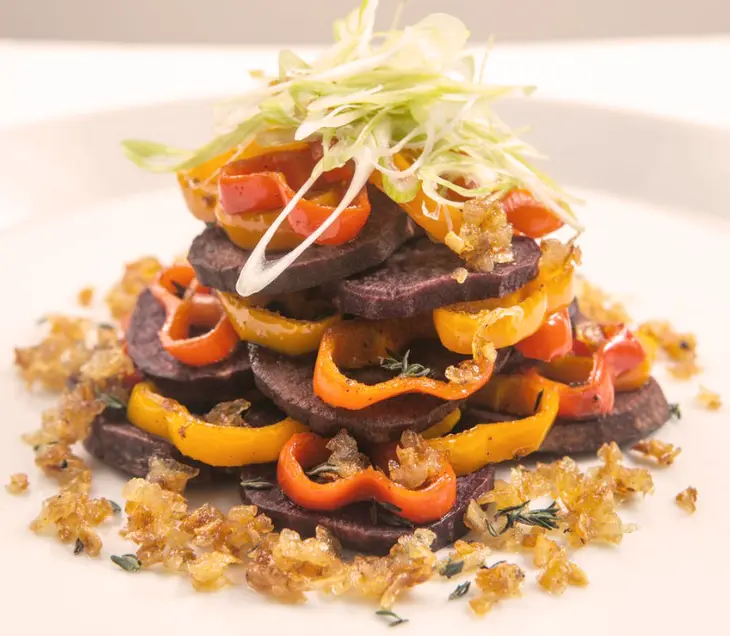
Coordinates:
<point>248,22</point>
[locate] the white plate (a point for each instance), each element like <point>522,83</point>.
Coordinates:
<point>659,233</point>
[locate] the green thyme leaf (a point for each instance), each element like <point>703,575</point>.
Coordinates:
<point>256,484</point>
<point>116,508</point>
<point>460,590</point>
<point>394,618</point>
<point>111,401</point>
<point>541,517</point>
<point>128,562</point>
<point>451,568</point>
<point>79,547</point>
<point>675,411</point>
<point>323,469</point>
<point>404,367</point>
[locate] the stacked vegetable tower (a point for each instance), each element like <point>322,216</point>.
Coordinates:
<point>373,316</point>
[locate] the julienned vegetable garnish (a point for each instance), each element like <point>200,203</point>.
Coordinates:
<point>370,98</point>
<point>361,397</point>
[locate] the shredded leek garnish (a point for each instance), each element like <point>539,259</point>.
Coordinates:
<point>368,97</point>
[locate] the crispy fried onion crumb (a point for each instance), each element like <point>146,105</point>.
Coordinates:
<point>17,484</point>
<point>231,413</point>
<point>687,499</point>
<point>345,459</point>
<point>170,474</point>
<point>85,296</point>
<point>137,275</point>
<point>460,274</point>
<point>663,452</point>
<point>417,463</point>
<point>466,557</point>
<point>204,544</point>
<point>68,345</point>
<point>598,306</point>
<point>485,237</point>
<point>588,502</point>
<point>557,570</point>
<point>73,513</point>
<point>709,399</point>
<point>501,581</point>
<point>679,348</point>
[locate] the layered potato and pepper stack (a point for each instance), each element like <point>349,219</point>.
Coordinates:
<point>377,311</point>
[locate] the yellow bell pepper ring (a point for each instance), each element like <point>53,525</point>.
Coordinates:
<point>444,427</point>
<point>484,444</point>
<point>503,321</point>
<point>211,444</point>
<point>269,329</point>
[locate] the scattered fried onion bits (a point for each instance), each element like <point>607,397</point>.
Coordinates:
<point>687,499</point>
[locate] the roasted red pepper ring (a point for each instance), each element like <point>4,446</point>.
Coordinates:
<point>552,340</point>
<point>360,343</point>
<point>305,450</point>
<point>270,181</point>
<point>586,379</point>
<point>197,307</point>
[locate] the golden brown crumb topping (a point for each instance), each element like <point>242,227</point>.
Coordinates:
<point>231,413</point>
<point>501,581</point>
<point>680,348</point>
<point>137,275</point>
<point>345,459</point>
<point>466,557</point>
<point>85,296</point>
<point>418,462</point>
<point>18,484</point>
<point>557,570</point>
<point>663,452</point>
<point>598,306</point>
<point>460,274</point>
<point>687,499</point>
<point>170,474</point>
<point>709,399</point>
<point>486,234</point>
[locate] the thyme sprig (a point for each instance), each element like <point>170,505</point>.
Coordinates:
<point>404,366</point>
<point>256,484</point>
<point>394,618</point>
<point>541,517</point>
<point>460,590</point>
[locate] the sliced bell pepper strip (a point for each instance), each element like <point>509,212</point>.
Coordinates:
<point>267,328</point>
<point>359,343</point>
<point>200,184</point>
<point>196,307</point>
<point>586,379</point>
<point>444,427</point>
<point>270,181</point>
<point>508,320</point>
<point>211,444</point>
<point>637,377</point>
<point>527,215</point>
<point>305,450</point>
<point>246,230</point>
<point>553,339</point>
<point>505,321</point>
<point>495,442</point>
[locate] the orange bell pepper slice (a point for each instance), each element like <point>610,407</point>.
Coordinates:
<point>305,450</point>
<point>213,444</point>
<point>586,379</point>
<point>552,340</point>
<point>197,307</point>
<point>359,343</point>
<point>527,215</point>
<point>269,181</point>
<point>509,320</point>
<point>199,185</point>
<point>272,330</point>
<point>246,230</point>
